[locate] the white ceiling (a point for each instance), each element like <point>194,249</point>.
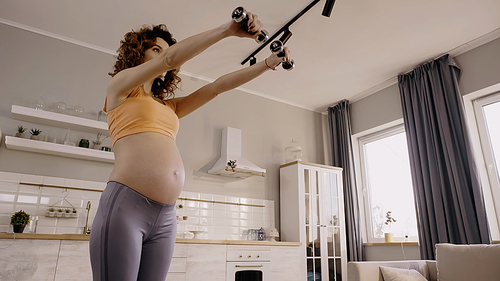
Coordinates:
<point>362,47</point>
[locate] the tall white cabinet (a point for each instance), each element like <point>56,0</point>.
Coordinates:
<point>312,212</point>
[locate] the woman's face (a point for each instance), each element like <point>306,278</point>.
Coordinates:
<point>155,50</point>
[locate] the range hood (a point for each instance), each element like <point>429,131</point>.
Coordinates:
<point>231,151</point>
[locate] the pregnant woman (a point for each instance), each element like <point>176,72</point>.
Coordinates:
<point>133,233</point>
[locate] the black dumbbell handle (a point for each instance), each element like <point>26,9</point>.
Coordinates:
<point>278,49</point>
<point>239,15</point>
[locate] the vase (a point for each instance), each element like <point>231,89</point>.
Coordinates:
<point>83,143</point>
<point>33,137</point>
<point>19,135</point>
<point>389,237</point>
<point>59,214</point>
<point>51,214</point>
<point>19,228</point>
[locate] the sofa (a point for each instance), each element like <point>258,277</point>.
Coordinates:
<point>453,263</point>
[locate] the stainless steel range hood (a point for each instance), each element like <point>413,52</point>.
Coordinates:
<point>231,151</point>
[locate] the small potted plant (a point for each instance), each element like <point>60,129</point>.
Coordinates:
<point>389,221</point>
<point>231,164</point>
<point>52,212</point>
<point>73,214</point>
<point>35,134</point>
<point>59,213</point>
<point>67,213</point>
<point>20,132</point>
<point>19,221</point>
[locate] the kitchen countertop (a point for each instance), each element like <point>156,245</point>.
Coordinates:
<point>84,237</point>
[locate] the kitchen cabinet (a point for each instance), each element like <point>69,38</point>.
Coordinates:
<point>62,121</point>
<point>41,255</point>
<point>312,212</point>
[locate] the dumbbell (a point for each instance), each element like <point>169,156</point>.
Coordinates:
<point>239,15</point>
<point>278,49</point>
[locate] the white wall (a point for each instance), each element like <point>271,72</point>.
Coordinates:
<point>32,65</point>
<point>480,69</point>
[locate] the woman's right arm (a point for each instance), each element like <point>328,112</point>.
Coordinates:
<point>175,56</point>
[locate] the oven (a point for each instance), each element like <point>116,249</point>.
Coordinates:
<point>248,265</point>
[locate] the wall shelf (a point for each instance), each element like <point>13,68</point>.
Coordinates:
<point>59,149</point>
<point>59,120</point>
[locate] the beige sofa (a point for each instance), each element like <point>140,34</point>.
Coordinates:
<point>453,263</point>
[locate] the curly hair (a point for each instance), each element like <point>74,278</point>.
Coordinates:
<point>131,53</point>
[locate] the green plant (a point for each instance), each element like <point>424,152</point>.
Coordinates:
<point>20,218</point>
<point>21,129</point>
<point>74,211</point>
<point>51,209</point>
<point>67,211</point>
<point>35,132</point>
<point>389,219</point>
<point>59,210</point>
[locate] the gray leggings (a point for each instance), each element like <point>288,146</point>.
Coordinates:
<point>132,236</point>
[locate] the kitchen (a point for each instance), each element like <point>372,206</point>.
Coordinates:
<point>58,80</point>
<point>42,64</point>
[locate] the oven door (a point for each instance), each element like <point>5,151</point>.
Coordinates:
<point>248,271</point>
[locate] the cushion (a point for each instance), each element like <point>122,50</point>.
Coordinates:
<point>468,262</point>
<point>399,274</point>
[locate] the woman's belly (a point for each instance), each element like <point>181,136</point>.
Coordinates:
<point>150,164</point>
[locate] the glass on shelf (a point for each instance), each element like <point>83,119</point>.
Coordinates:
<point>79,110</point>
<point>60,107</point>
<point>40,103</point>
<point>102,116</point>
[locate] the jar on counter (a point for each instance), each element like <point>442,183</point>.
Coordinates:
<point>261,234</point>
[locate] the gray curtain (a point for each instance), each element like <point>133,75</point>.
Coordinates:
<point>448,196</point>
<point>340,134</point>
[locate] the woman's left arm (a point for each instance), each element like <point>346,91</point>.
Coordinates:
<point>232,80</point>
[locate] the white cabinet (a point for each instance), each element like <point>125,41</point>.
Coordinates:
<point>312,212</point>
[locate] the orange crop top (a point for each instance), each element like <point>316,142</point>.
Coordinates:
<point>139,113</point>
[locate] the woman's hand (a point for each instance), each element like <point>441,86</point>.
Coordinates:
<point>254,27</point>
<point>273,60</point>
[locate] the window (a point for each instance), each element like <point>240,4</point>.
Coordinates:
<point>387,185</point>
<point>487,111</point>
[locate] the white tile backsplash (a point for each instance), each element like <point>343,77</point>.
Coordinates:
<point>223,216</point>
<point>10,177</point>
<point>9,186</point>
<point>53,181</point>
<point>228,217</point>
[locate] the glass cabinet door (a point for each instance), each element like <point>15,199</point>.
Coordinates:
<point>324,198</point>
<point>330,215</point>
<point>319,219</point>
<point>313,226</point>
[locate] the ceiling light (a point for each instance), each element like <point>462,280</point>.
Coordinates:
<point>327,10</point>
<point>286,35</point>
